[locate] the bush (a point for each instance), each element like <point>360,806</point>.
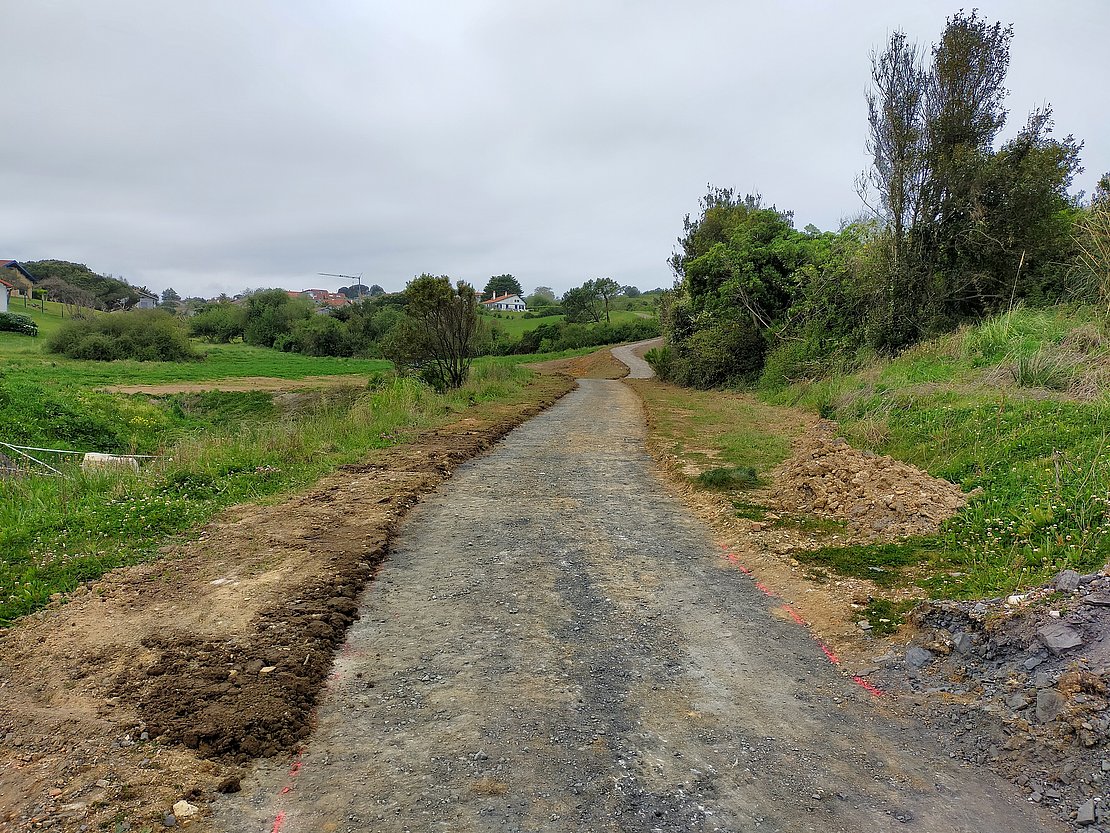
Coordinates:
<point>141,335</point>
<point>11,322</point>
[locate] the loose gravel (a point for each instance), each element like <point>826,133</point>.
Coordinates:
<point>554,644</point>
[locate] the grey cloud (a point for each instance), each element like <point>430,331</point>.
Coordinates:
<point>215,146</point>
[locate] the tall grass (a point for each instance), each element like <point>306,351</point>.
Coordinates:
<point>58,532</point>
<point>1038,461</point>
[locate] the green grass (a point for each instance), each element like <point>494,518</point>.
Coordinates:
<point>743,477</point>
<point>515,324</point>
<point>58,532</point>
<point>956,408</point>
<point>719,430</point>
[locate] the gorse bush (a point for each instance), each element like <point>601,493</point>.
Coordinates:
<point>140,335</point>
<point>11,322</point>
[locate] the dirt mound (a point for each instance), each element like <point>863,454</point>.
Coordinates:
<point>879,497</point>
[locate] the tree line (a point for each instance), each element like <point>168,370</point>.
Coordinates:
<point>957,229</point>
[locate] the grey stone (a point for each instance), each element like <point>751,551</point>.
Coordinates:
<point>1067,580</point>
<point>1097,599</point>
<point>169,820</point>
<point>1017,701</point>
<point>1085,815</point>
<point>1033,662</point>
<point>1049,704</point>
<point>1059,638</point>
<point>918,657</point>
<point>1043,680</point>
<point>964,643</point>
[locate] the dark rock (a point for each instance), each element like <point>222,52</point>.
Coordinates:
<point>964,643</point>
<point>1059,638</point>
<point>918,657</point>
<point>1049,704</point>
<point>231,784</point>
<point>1067,580</point>
<point>169,820</point>
<point>1097,599</point>
<point>1085,815</point>
<point>1032,662</point>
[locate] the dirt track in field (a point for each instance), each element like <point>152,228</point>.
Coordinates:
<point>554,644</point>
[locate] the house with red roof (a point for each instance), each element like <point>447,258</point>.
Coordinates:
<point>19,279</point>
<point>508,301</point>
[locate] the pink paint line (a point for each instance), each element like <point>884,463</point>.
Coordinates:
<point>797,617</point>
<point>279,822</point>
<point>765,590</point>
<point>873,690</point>
<point>833,658</point>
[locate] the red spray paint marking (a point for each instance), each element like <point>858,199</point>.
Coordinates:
<point>797,617</point>
<point>279,822</point>
<point>873,690</point>
<point>870,688</point>
<point>833,658</point>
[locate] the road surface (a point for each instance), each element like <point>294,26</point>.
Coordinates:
<point>555,645</point>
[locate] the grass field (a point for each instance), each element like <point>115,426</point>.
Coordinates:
<point>977,408</point>
<point>515,324</point>
<point>214,448</point>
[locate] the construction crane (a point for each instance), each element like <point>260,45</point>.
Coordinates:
<point>357,277</point>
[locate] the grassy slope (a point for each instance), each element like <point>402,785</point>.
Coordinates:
<point>972,408</point>
<point>966,408</point>
<point>516,325</point>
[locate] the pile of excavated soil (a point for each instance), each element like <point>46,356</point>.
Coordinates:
<point>879,497</point>
<point>158,681</point>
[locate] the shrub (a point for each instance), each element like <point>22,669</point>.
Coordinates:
<point>11,322</point>
<point>1043,369</point>
<point>141,335</point>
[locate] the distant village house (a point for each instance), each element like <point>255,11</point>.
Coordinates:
<point>147,300</point>
<point>18,278</point>
<point>513,303</point>
<point>5,291</point>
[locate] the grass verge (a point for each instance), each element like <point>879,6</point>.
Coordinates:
<point>58,532</point>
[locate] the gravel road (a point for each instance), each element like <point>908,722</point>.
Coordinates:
<point>554,645</point>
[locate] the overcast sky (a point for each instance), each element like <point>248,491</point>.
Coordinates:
<point>215,145</point>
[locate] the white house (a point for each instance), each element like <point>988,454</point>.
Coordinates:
<point>513,303</point>
<point>147,300</point>
<point>5,291</point>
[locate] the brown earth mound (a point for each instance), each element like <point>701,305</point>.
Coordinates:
<point>879,497</point>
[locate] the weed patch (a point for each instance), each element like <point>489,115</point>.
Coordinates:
<point>743,477</point>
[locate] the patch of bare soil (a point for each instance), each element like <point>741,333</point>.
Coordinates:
<point>597,365</point>
<point>241,383</point>
<point>879,498</point>
<point>157,682</point>
<point>873,498</point>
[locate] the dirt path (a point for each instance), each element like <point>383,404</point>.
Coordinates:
<point>632,355</point>
<point>555,645</point>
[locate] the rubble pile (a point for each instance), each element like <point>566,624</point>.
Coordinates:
<point>1022,684</point>
<point>879,497</point>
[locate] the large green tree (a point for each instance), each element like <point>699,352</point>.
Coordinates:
<point>442,332</point>
<point>503,285</point>
<point>967,228</point>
